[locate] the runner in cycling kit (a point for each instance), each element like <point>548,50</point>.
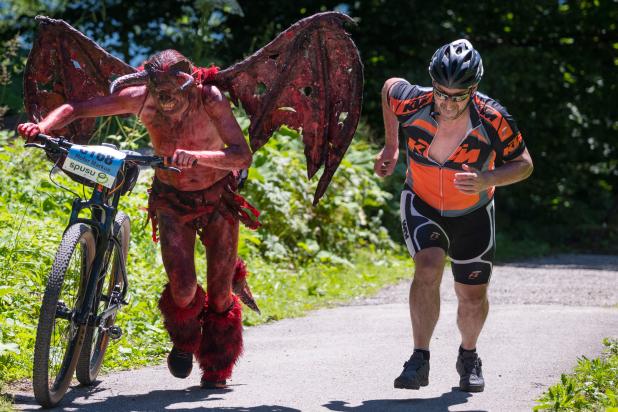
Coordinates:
<point>460,145</point>
<point>434,213</point>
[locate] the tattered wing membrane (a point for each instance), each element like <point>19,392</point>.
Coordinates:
<point>66,65</point>
<point>311,78</point>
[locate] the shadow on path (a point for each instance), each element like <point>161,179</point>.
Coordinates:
<point>440,403</point>
<point>182,400</point>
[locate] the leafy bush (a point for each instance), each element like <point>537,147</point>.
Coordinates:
<point>347,218</point>
<point>592,387</point>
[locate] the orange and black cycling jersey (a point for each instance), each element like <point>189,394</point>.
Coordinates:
<point>493,139</point>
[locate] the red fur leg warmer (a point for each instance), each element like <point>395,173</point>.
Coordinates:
<point>221,342</point>
<point>183,324</point>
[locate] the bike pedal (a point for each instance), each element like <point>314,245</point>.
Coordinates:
<point>115,332</point>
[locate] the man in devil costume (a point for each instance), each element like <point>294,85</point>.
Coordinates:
<point>190,121</point>
<point>194,127</point>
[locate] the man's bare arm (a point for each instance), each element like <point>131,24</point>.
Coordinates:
<point>386,160</point>
<point>126,101</point>
<point>512,171</point>
<point>473,181</point>
<point>236,155</point>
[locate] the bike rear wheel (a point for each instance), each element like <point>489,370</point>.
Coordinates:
<point>109,287</point>
<point>58,338</point>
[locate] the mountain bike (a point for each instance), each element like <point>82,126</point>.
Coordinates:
<point>88,282</point>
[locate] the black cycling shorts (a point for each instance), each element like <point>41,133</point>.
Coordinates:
<point>469,240</point>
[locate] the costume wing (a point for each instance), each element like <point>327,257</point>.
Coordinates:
<point>310,77</point>
<point>66,65</point>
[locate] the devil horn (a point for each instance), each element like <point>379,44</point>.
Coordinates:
<point>188,77</point>
<point>132,79</point>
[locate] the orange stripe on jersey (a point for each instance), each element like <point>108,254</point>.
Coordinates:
<point>491,191</point>
<point>436,187</point>
<point>426,183</point>
<point>513,145</point>
<point>493,116</point>
<point>453,198</point>
<point>424,125</point>
<point>403,107</point>
<point>477,133</point>
<point>505,131</point>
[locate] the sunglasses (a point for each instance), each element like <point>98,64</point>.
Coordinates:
<point>452,97</point>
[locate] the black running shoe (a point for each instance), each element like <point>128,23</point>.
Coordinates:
<point>415,373</point>
<point>470,372</point>
<point>179,363</point>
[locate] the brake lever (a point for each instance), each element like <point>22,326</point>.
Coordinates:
<point>170,168</point>
<point>37,145</point>
<point>193,165</point>
<point>161,165</point>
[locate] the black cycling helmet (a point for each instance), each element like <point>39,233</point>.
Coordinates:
<point>456,65</point>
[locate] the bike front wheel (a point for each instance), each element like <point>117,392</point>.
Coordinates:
<point>106,299</point>
<point>59,338</point>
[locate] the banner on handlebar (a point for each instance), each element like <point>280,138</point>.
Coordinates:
<point>98,164</point>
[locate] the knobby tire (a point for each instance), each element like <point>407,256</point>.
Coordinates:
<point>63,294</point>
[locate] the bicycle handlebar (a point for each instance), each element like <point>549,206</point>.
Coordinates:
<point>62,145</point>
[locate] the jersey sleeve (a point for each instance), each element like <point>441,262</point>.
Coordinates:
<point>511,141</point>
<point>404,99</point>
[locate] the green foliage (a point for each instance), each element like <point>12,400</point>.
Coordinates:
<point>30,205</point>
<point>12,63</point>
<point>314,256</point>
<point>592,387</point>
<point>511,248</point>
<point>347,218</point>
<point>553,64</point>
<point>292,290</point>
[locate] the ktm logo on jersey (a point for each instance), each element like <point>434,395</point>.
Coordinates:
<point>465,155</point>
<point>418,146</point>
<point>403,107</point>
<point>414,104</point>
<point>474,275</point>
<point>513,145</point>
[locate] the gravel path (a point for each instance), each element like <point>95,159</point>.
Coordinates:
<point>572,280</point>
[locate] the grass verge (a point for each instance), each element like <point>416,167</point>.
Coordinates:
<point>593,386</point>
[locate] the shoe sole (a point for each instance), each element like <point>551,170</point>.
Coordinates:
<point>472,388</point>
<point>404,385</point>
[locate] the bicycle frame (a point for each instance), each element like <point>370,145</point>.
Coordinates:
<point>102,221</point>
<point>103,214</point>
